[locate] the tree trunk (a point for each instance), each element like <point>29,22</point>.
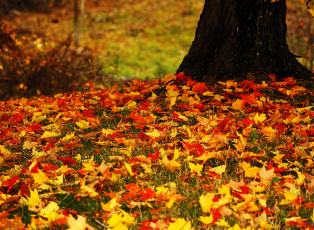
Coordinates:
<point>235,38</point>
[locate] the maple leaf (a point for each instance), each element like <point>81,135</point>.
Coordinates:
<point>6,223</point>
<point>180,224</point>
<point>206,201</point>
<point>173,199</point>
<point>154,133</point>
<point>219,169</point>
<point>11,182</point>
<point>238,104</point>
<point>129,169</point>
<point>200,87</point>
<point>78,224</point>
<point>110,205</point>
<point>82,124</point>
<point>197,168</point>
<point>259,118</point>
<point>148,194</point>
<point>34,202</point>
<point>172,165</point>
<point>121,220</point>
<point>48,134</point>
<point>269,132</point>
<point>206,219</point>
<point>50,211</point>
<point>266,175</point>
<point>40,177</point>
<point>154,156</point>
<point>67,160</point>
<point>222,223</point>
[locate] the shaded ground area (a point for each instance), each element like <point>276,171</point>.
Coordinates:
<point>148,39</point>
<point>135,39</point>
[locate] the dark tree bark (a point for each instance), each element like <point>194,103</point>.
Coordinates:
<point>23,5</point>
<point>235,38</point>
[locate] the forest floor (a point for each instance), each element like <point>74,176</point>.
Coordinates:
<point>148,39</point>
<point>168,153</point>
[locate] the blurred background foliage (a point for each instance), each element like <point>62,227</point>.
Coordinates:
<point>118,40</point>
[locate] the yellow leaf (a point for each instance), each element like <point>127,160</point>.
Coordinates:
<point>289,198</point>
<point>183,117</point>
<point>52,216</point>
<point>34,200</point>
<point>269,132</point>
<point>107,131</point>
<point>206,201</point>
<point>171,165</point>
<point>129,168</point>
<point>23,133</point>
<point>59,180</point>
<point>168,78</point>
<point>88,167</point>
<point>153,97</point>
<point>77,224</point>
<point>259,118</point>
<point>172,93</point>
<point>78,157</point>
<point>207,155</point>
<point>130,105</point>
<point>197,168</point>
<point>219,169</point>
<point>82,124</point>
<point>154,133</point>
<point>3,150</point>
<point>236,227</point>
<point>173,133</point>
<point>68,137</point>
<point>295,218</point>
<point>180,224</point>
<point>89,190</point>
<point>111,205</point>
<point>232,83</point>
<point>51,207</point>
<point>163,190</point>
<point>252,172</point>
<point>176,154</point>
<point>48,134</point>
<point>172,101</point>
<point>208,93</point>
<point>173,199</point>
<point>120,220</point>
<point>206,219</point>
<point>40,177</point>
<point>218,97</point>
<point>312,217</point>
<point>222,223</point>
<point>300,179</point>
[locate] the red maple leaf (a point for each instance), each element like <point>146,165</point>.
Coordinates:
<point>67,160</point>
<point>200,87</point>
<point>148,194</point>
<point>154,156</point>
<point>11,182</point>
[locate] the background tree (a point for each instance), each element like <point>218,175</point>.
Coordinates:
<point>26,5</point>
<point>240,37</point>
